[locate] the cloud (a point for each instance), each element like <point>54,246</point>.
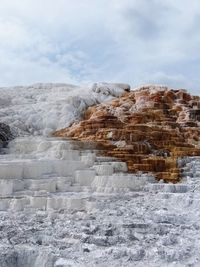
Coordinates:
<point>147,19</point>
<point>86,41</point>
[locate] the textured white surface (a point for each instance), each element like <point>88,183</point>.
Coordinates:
<point>114,89</point>
<point>143,228</point>
<point>55,211</point>
<point>43,108</point>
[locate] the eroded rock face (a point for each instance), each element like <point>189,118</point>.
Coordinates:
<point>5,134</point>
<point>148,128</point>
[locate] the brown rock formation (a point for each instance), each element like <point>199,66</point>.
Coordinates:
<point>148,128</point>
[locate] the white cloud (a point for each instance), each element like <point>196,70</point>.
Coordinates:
<point>80,41</point>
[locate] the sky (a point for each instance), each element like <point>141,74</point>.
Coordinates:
<point>85,41</point>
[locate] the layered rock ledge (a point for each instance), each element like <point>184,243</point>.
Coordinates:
<point>148,128</point>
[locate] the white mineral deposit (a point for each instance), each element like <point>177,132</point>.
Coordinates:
<point>64,205</point>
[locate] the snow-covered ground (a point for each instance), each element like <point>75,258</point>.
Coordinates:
<point>61,204</point>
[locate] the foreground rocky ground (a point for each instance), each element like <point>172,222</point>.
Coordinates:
<point>152,227</point>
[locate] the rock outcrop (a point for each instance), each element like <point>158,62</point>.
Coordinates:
<point>148,128</point>
<point>5,134</point>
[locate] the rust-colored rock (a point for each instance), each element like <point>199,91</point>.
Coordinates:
<point>148,128</point>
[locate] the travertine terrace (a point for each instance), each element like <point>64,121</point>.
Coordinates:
<point>62,204</point>
<point>148,128</point>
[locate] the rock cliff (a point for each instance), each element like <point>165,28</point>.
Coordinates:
<point>148,128</point>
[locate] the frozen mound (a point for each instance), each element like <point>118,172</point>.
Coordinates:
<point>42,108</point>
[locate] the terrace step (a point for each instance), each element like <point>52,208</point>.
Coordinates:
<point>52,174</point>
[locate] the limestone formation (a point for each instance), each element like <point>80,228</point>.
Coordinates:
<point>148,128</point>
